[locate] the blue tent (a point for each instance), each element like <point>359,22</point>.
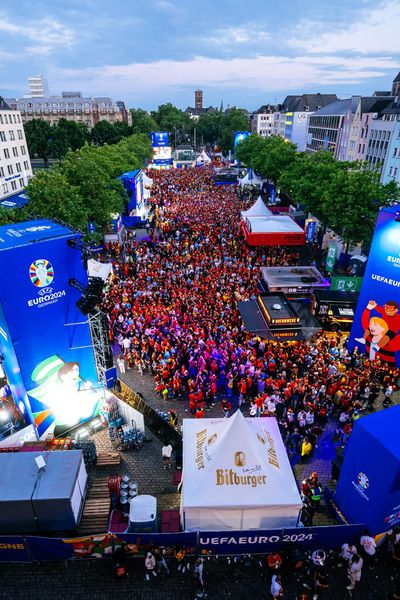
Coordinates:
<point>15,201</point>
<point>369,483</point>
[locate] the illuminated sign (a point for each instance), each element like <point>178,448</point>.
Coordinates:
<point>376,326</point>
<point>239,137</point>
<point>162,153</point>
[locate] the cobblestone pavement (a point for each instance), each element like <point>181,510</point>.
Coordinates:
<point>95,579</point>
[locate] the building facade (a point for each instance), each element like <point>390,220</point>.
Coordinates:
<point>325,127</point>
<point>71,106</point>
<point>15,164</point>
<point>391,167</point>
<point>292,117</point>
<point>38,87</point>
<point>262,121</point>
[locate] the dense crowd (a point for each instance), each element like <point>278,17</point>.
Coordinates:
<point>172,307</point>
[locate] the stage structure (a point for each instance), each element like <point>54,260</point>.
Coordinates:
<point>45,338</point>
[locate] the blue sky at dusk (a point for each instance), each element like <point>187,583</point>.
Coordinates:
<point>156,51</point>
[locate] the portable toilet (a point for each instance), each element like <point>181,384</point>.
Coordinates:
<point>143,514</point>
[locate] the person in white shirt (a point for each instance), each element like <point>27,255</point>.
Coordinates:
<point>348,551</point>
<point>166,452</point>
<point>368,544</point>
<point>354,571</point>
<point>276,587</point>
<point>121,363</point>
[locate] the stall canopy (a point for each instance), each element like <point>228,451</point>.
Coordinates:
<point>251,179</point>
<point>203,159</point>
<point>368,489</point>
<point>236,475</point>
<point>275,230</point>
<point>257,210</point>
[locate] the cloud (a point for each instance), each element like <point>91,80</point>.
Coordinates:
<point>47,32</point>
<point>376,32</point>
<point>237,35</point>
<point>266,73</point>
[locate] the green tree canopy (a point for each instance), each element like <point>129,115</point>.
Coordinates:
<point>39,137</point>
<point>233,120</point>
<point>142,121</point>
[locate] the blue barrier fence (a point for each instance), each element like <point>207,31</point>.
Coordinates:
<point>33,548</point>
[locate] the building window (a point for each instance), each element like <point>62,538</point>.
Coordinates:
<point>21,182</point>
<point>1,172</point>
<point>14,185</point>
<point>5,188</point>
<point>26,165</point>
<point>12,136</point>
<point>6,153</point>
<point>18,167</point>
<point>20,134</point>
<point>10,170</point>
<point>2,136</point>
<point>23,151</point>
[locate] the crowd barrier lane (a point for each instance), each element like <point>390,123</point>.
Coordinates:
<point>204,543</point>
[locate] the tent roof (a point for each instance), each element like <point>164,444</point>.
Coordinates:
<point>203,157</point>
<point>214,474</point>
<point>384,426</point>
<point>250,178</point>
<point>273,224</point>
<point>257,210</point>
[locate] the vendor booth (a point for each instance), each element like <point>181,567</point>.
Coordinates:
<point>236,476</point>
<point>279,230</point>
<point>203,159</point>
<point>257,210</point>
<point>368,489</point>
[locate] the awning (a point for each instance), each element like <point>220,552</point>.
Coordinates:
<point>15,201</point>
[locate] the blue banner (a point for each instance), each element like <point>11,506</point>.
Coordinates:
<point>96,546</point>
<point>159,139</point>
<point>50,337</point>
<point>310,232</point>
<point>376,325</point>
<point>13,549</point>
<point>265,541</point>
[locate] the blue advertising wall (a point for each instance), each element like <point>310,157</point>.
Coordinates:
<point>133,184</point>
<point>381,285</point>
<point>50,337</point>
<point>368,488</point>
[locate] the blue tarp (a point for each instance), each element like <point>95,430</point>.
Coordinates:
<point>369,482</point>
<point>15,201</point>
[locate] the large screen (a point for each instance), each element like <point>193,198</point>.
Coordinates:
<point>376,326</point>
<point>49,336</point>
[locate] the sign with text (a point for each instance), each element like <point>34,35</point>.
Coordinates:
<point>346,284</point>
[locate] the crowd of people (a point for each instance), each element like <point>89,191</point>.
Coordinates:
<point>172,308</point>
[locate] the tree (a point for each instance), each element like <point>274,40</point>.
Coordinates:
<point>170,118</point>
<point>51,195</point>
<point>276,156</point>
<point>38,137</point>
<point>351,202</point>
<point>249,149</point>
<point>233,120</point>
<point>104,133</point>
<point>76,134</point>
<point>142,121</point>
<point>208,128</point>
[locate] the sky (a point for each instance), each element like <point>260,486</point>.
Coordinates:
<point>244,54</point>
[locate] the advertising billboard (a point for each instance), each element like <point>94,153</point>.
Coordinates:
<point>159,139</point>
<point>376,326</point>
<point>50,337</point>
<point>239,136</point>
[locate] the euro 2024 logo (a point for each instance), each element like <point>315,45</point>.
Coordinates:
<point>41,273</point>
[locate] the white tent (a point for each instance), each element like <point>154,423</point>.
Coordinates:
<point>98,269</point>
<point>251,179</point>
<point>257,210</point>
<point>147,183</point>
<point>272,224</point>
<point>203,159</point>
<point>236,476</point>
